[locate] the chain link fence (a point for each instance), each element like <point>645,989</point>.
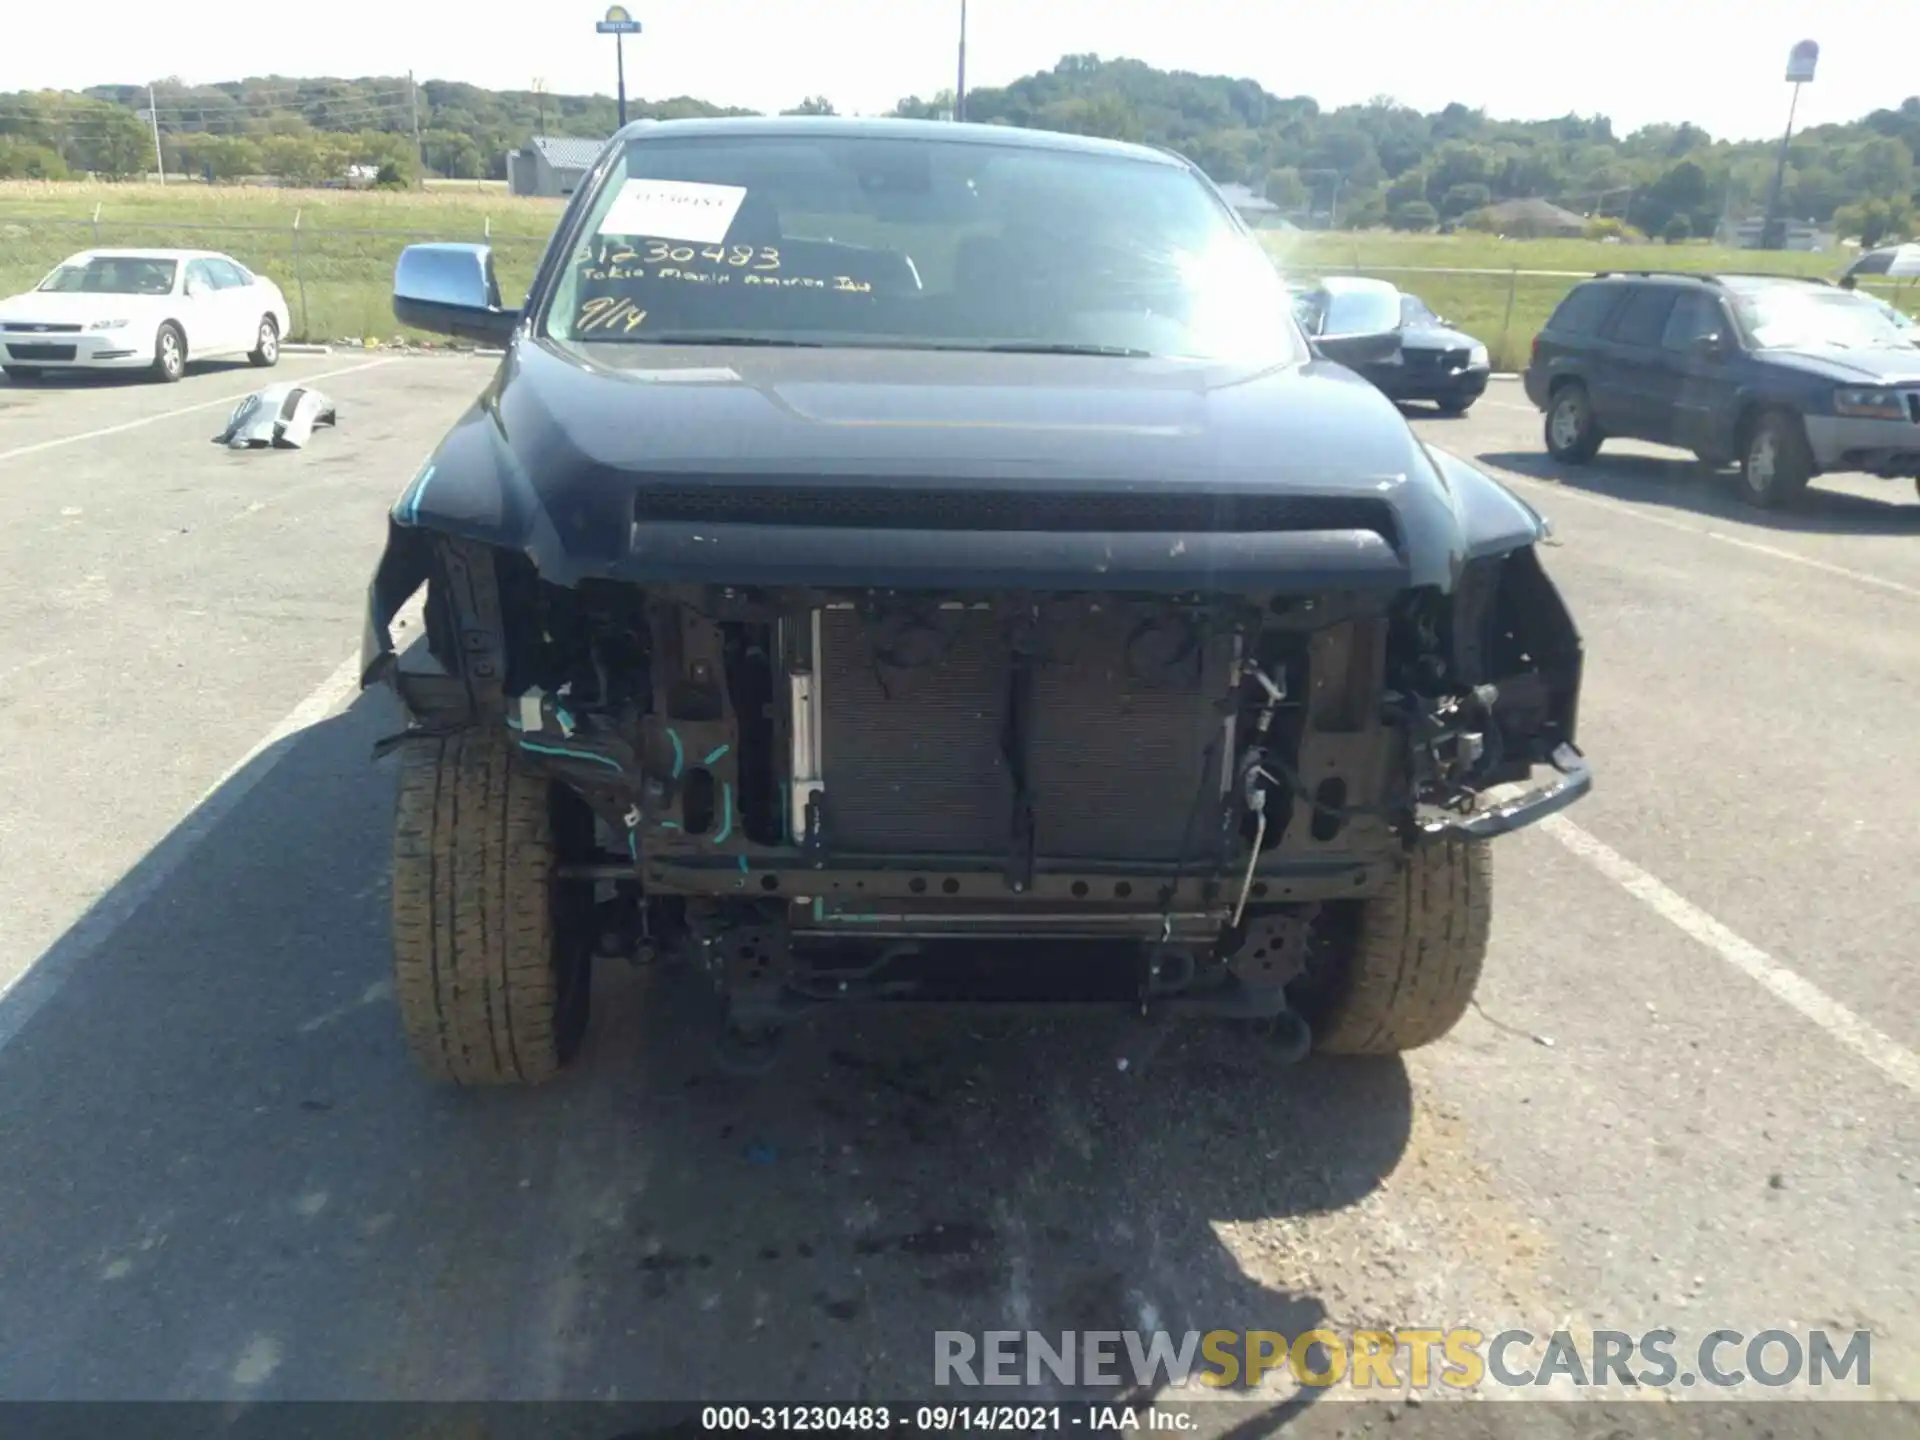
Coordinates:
<point>338,282</point>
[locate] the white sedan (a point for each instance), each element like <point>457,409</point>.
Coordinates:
<point>141,309</point>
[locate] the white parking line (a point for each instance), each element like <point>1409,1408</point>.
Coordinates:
<point>1737,541</point>
<point>229,401</point>
<point>1881,1051</point>
<point>23,995</point>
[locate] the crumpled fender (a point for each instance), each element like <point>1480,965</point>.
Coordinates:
<point>1492,519</point>
<point>470,488</point>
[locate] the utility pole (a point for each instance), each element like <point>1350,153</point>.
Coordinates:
<point>419,151</point>
<point>960,89</point>
<point>540,99</point>
<point>153,114</point>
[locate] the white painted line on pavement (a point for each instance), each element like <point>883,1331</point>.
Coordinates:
<point>23,995</point>
<point>1739,542</point>
<point>228,401</point>
<point>1881,1051</point>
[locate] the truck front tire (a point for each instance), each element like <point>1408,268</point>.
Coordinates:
<point>1416,956</point>
<point>492,954</point>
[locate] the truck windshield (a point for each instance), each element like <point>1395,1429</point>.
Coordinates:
<point>922,243</point>
<point>1783,319</point>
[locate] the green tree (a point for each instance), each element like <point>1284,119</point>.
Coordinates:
<point>1677,228</point>
<point>23,160</point>
<point>1456,163</point>
<point>1460,199</point>
<point>1407,188</point>
<point>812,105</point>
<point>1882,168</point>
<point>1876,220</point>
<point>110,141</point>
<point>303,159</point>
<point>218,157</point>
<point>1414,215</point>
<point>1285,188</point>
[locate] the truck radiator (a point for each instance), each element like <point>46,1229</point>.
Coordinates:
<point>1121,741</point>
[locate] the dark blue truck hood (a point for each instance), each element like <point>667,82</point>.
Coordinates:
<point>567,442</point>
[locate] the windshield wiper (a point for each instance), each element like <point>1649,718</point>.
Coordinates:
<point>694,337</point>
<point>1023,347</point>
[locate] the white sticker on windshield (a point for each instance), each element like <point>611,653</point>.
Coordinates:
<point>674,210</point>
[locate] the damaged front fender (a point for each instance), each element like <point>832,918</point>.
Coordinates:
<point>404,567</point>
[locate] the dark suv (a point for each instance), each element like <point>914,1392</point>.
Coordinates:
<point>1788,378</point>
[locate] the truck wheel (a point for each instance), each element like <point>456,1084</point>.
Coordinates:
<point>1573,436</point>
<point>492,954</point>
<point>1776,464</point>
<point>1415,958</point>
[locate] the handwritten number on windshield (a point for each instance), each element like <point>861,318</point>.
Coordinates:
<point>741,257</point>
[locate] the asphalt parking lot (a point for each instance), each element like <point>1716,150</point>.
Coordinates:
<point>1688,1099</point>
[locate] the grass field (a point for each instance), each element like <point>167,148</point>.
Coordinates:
<point>337,267</point>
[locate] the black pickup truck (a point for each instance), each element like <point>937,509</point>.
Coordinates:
<point>883,538</point>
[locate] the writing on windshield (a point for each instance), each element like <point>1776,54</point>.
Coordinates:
<point>910,242</point>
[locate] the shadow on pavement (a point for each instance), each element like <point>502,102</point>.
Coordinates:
<point>225,1180</point>
<point>1685,484</point>
<point>81,379</point>
<point>1429,410</point>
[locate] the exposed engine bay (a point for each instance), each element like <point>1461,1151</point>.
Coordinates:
<point>810,787</point>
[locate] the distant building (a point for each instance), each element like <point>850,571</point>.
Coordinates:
<point>1747,234</point>
<point>1530,219</point>
<point>1255,208</point>
<point>551,164</point>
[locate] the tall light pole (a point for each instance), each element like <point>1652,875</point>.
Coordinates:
<point>619,24</point>
<point>1801,61</point>
<point>960,89</point>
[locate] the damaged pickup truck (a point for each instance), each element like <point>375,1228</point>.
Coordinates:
<point>883,542</point>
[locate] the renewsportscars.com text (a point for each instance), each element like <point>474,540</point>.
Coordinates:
<point>1460,1359</point>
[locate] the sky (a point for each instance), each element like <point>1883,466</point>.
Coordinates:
<point>1718,63</point>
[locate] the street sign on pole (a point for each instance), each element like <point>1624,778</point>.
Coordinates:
<point>1801,61</point>
<point>619,24</point>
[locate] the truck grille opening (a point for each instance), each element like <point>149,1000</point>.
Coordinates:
<point>1119,732</point>
<point>917,508</point>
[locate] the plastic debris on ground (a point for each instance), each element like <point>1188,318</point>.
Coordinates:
<point>280,417</point>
